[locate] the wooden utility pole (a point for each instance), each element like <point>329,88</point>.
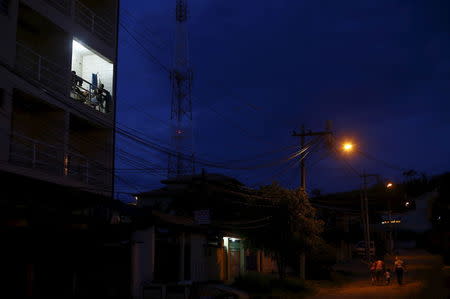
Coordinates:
<point>303,134</point>
<point>365,212</point>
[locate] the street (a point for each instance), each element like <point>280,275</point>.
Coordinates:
<point>424,279</point>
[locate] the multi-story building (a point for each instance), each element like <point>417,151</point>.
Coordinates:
<point>62,234</point>
<point>56,120</point>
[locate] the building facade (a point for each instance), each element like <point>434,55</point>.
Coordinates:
<point>62,231</point>
<point>57,90</point>
<point>193,239</point>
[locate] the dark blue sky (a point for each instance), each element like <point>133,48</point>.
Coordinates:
<point>379,69</point>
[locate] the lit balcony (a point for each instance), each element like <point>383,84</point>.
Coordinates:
<point>42,56</point>
<point>92,78</point>
<point>51,76</point>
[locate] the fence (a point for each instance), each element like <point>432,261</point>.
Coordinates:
<point>34,66</point>
<point>94,23</point>
<point>80,168</point>
<point>32,153</point>
<point>61,5</point>
<point>84,92</point>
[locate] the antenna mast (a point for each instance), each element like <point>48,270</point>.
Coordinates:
<point>181,163</point>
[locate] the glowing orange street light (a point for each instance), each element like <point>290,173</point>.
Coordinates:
<point>389,185</point>
<point>347,147</point>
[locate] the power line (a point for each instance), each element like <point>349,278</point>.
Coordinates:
<point>388,165</point>
<point>153,58</point>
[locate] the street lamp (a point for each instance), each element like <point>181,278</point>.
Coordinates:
<point>389,186</point>
<point>347,147</point>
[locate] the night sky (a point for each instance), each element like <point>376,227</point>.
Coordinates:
<point>379,69</point>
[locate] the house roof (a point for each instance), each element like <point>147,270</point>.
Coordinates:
<point>177,186</point>
<point>173,219</point>
<point>209,177</point>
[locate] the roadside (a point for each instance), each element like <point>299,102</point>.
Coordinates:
<point>424,279</point>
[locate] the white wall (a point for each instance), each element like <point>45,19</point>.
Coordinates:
<point>85,63</point>
<point>93,64</point>
<point>77,64</point>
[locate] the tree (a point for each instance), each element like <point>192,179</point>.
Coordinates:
<point>293,227</point>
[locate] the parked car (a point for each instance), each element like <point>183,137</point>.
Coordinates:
<point>360,248</point>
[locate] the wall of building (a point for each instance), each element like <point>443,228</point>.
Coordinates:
<point>44,125</point>
<point>77,64</point>
<point>44,37</point>
<point>268,264</point>
<point>8,25</point>
<point>104,8</point>
<point>199,257</point>
<point>143,260</point>
<point>5,117</point>
<point>93,64</point>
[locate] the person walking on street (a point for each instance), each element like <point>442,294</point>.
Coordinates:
<point>399,267</point>
<point>387,275</point>
<point>372,272</point>
<point>379,270</point>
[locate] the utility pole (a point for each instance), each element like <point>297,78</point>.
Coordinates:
<point>303,134</point>
<point>365,212</point>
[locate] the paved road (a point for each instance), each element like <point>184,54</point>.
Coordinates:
<point>423,279</point>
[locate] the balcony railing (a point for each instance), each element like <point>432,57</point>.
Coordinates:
<point>84,92</point>
<point>32,153</point>
<point>51,76</point>
<point>82,169</point>
<point>94,23</point>
<point>61,5</point>
<point>41,69</point>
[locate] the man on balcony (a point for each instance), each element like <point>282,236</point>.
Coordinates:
<point>77,83</point>
<point>103,98</point>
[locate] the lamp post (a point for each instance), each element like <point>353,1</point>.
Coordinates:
<point>390,186</point>
<point>348,147</point>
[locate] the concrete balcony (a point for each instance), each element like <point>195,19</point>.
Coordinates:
<point>38,68</point>
<point>51,76</point>
<point>80,168</point>
<point>63,6</point>
<point>35,154</point>
<point>94,23</point>
<point>32,153</point>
